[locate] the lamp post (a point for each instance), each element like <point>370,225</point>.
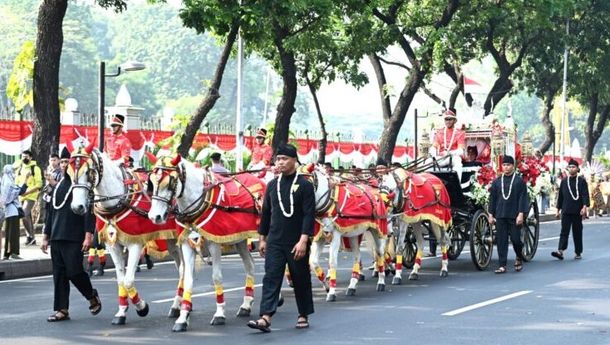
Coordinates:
<point>127,67</point>
<point>416,130</point>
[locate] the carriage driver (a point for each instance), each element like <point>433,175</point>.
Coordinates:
<point>261,152</point>
<point>449,143</point>
<point>117,145</point>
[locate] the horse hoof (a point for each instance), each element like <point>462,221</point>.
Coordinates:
<point>413,276</point>
<point>350,292</point>
<point>380,287</point>
<point>361,277</point>
<point>144,311</point>
<point>280,301</point>
<point>444,274</point>
<point>173,313</point>
<point>396,281</point>
<point>331,298</point>
<point>179,327</point>
<point>119,320</point>
<point>217,321</point>
<point>243,312</point>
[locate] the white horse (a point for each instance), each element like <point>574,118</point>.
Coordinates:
<point>125,225</point>
<point>331,201</point>
<point>417,198</point>
<point>205,203</point>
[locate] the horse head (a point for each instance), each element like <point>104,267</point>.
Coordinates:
<point>392,184</point>
<point>85,171</point>
<point>167,178</point>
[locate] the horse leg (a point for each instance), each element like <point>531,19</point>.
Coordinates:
<point>400,246</point>
<point>246,307</point>
<point>314,262</point>
<point>351,289</point>
<point>332,264</point>
<point>440,233</point>
<point>369,242</point>
<point>134,250</point>
<point>216,254</point>
<point>380,248</point>
<point>116,252</point>
<point>417,229</point>
<point>176,253</point>
<point>188,268</point>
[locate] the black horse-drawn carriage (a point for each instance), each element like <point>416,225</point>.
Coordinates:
<point>470,218</point>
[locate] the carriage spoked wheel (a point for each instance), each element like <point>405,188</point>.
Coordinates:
<point>410,249</point>
<point>457,240</point>
<point>530,232</point>
<point>481,240</point>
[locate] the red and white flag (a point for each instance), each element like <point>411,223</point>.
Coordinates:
<point>471,86</point>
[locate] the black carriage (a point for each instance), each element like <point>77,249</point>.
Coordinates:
<point>469,219</point>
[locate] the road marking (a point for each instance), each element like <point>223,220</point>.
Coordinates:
<point>486,303</point>
<point>548,239</point>
<point>204,294</point>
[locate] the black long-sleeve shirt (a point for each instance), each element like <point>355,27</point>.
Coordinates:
<point>565,202</point>
<point>275,225</point>
<point>63,224</point>
<point>517,202</point>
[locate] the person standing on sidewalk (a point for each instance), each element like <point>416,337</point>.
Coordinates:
<point>287,222</point>
<point>27,171</point>
<point>69,235</point>
<point>572,205</point>
<point>9,202</point>
<point>508,205</point>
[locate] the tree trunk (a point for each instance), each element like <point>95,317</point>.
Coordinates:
<point>545,118</point>
<point>49,42</point>
<point>458,79</point>
<point>594,131</point>
<point>501,88</point>
<point>285,108</point>
<point>211,97</point>
<point>386,108</point>
<point>459,87</point>
<point>391,126</point>
<point>324,140</point>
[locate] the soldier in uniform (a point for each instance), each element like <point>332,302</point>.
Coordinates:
<point>508,205</point>
<point>117,145</point>
<point>449,143</point>
<point>287,222</point>
<point>261,152</point>
<point>572,205</point>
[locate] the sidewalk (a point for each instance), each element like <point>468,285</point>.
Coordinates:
<point>36,263</point>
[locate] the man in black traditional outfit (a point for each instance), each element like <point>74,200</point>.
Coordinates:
<point>69,235</point>
<point>287,222</point>
<point>572,204</point>
<point>508,205</point>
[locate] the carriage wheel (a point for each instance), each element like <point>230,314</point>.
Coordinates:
<point>530,232</point>
<point>457,240</point>
<point>410,249</point>
<point>481,240</point>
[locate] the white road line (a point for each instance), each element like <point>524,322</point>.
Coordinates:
<point>486,303</point>
<point>548,239</point>
<point>204,294</point>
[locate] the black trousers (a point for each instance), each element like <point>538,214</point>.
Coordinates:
<point>11,231</point>
<point>277,256</point>
<point>573,221</point>
<point>504,228</point>
<point>67,259</point>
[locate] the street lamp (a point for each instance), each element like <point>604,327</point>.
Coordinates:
<point>127,67</point>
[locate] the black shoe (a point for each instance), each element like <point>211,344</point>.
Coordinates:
<point>29,241</point>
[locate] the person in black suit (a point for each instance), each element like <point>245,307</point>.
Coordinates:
<point>572,205</point>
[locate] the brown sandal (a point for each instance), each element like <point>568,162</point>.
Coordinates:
<point>500,270</point>
<point>60,315</point>
<point>302,322</point>
<point>518,265</point>
<point>95,303</point>
<point>264,326</point>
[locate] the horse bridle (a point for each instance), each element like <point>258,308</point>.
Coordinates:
<point>94,170</point>
<point>400,189</point>
<point>174,174</point>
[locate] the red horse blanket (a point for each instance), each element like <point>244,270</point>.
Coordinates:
<point>230,212</point>
<point>425,198</point>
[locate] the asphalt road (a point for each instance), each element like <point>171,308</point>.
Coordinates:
<point>549,302</point>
